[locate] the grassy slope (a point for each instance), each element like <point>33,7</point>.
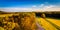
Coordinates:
<point>48,25</point>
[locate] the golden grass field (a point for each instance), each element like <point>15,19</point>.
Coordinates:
<point>45,23</point>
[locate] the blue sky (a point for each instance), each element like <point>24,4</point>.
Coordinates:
<point>27,3</point>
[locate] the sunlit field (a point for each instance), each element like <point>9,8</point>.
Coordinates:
<point>47,25</point>
<point>27,21</point>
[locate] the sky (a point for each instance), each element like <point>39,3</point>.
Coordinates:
<point>29,4</point>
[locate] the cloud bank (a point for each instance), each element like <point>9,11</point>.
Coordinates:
<point>41,8</point>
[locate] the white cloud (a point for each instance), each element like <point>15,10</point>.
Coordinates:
<point>18,9</point>
<point>41,5</point>
<point>15,9</point>
<point>50,8</point>
<point>42,8</point>
<point>47,7</point>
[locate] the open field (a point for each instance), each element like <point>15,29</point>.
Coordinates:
<point>49,23</point>
<point>46,23</point>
